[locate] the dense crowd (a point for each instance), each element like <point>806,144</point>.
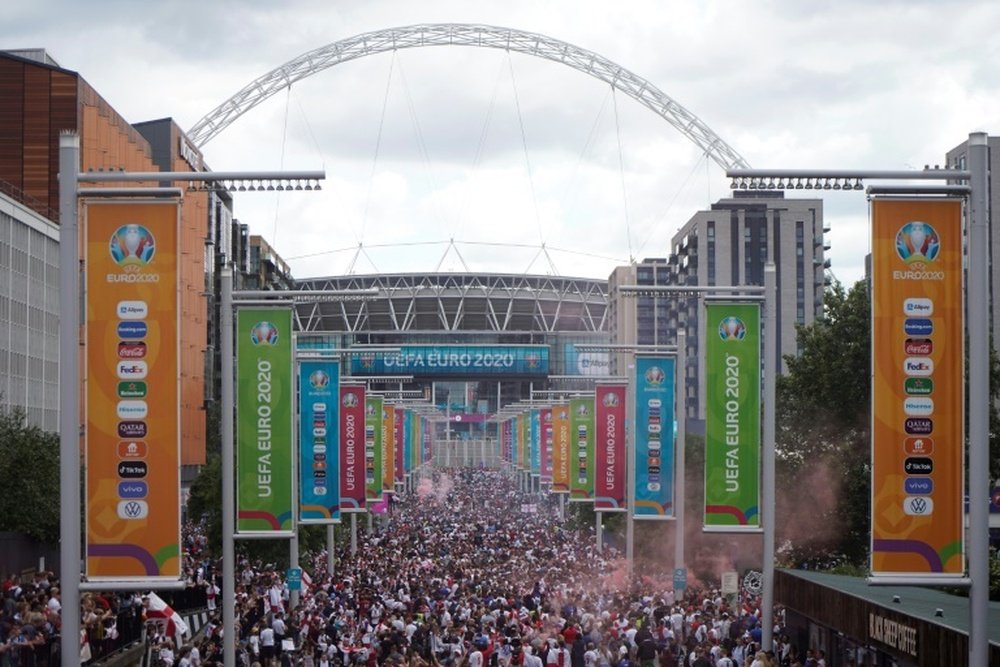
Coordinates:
<point>470,572</point>
<point>466,572</point>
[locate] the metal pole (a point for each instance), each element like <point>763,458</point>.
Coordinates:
<point>599,531</point>
<point>354,533</point>
<point>229,635</point>
<point>767,509</point>
<point>630,468</point>
<point>562,507</point>
<point>679,452</point>
<point>293,561</point>
<point>331,543</point>
<point>978,308</point>
<point>69,398</point>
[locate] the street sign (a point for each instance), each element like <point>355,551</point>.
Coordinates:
<point>294,578</point>
<point>680,579</point>
<point>730,583</point>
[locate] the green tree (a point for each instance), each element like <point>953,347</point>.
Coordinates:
<point>822,415</point>
<point>29,468</point>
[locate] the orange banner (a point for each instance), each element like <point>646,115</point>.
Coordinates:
<point>132,398</point>
<point>917,388</point>
<point>560,448</point>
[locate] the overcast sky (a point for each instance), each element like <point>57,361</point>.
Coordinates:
<point>487,147</point>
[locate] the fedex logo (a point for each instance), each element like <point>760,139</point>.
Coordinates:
<point>918,366</point>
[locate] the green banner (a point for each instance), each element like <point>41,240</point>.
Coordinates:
<point>581,447</point>
<point>264,426</point>
<point>732,417</point>
<point>373,448</point>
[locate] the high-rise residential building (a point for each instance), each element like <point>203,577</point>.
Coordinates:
<point>957,158</point>
<point>728,244</point>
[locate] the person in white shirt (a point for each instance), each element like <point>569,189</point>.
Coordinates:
<point>530,659</point>
<point>267,646</point>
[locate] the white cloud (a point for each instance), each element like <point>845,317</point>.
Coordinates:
<point>850,84</point>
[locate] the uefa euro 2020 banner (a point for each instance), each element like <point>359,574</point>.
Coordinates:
<point>388,448</point>
<point>374,426</point>
<point>132,403</point>
<point>609,448</point>
<point>654,437</point>
<point>581,427</point>
<point>546,417</point>
<point>918,407</point>
<point>352,453</point>
<point>535,428</point>
<point>732,421</point>
<point>264,392</point>
<point>561,459</point>
<point>319,460</point>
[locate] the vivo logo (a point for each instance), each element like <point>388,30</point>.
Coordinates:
<point>918,366</point>
<point>918,407</point>
<point>132,310</point>
<point>132,489</point>
<point>132,370</point>
<point>918,306</point>
<point>918,486</point>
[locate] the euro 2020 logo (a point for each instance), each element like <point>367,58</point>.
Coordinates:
<point>732,328</point>
<point>350,400</point>
<point>610,400</point>
<point>655,376</point>
<point>264,333</point>
<point>319,380</point>
<point>917,241</point>
<point>132,245</point>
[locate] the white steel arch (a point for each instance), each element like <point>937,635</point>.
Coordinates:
<point>462,34</point>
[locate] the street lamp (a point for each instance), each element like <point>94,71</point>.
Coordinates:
<point>978,304</point>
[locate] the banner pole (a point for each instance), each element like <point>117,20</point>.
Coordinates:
<point>679,452</point>
<point>331,539</point>
<point>630,464</point>
<point>69,398</point>
<point>768,454</point>
<point>978,309</point>
<point>354,533</point>
<point>599,531</point>
<point>228,468</point>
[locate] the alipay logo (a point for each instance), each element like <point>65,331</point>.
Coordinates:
<point>918,306</point>
<point>132,310</point>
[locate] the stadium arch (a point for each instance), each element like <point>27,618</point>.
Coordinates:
<point>464,34</point>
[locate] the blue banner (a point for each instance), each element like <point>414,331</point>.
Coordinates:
<point>407,441</point>
<point>422,360</point>
<point>536,442</point>
<point>654,438</point>
<point>319,447</point>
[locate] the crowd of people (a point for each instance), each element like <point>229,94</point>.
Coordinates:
<point>465,572</point>
<point>470,572</point>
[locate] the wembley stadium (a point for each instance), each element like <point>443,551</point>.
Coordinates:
<point>468,343</point>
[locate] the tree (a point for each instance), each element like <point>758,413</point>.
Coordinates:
<point>822,415</point>
<point>29,468</point>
